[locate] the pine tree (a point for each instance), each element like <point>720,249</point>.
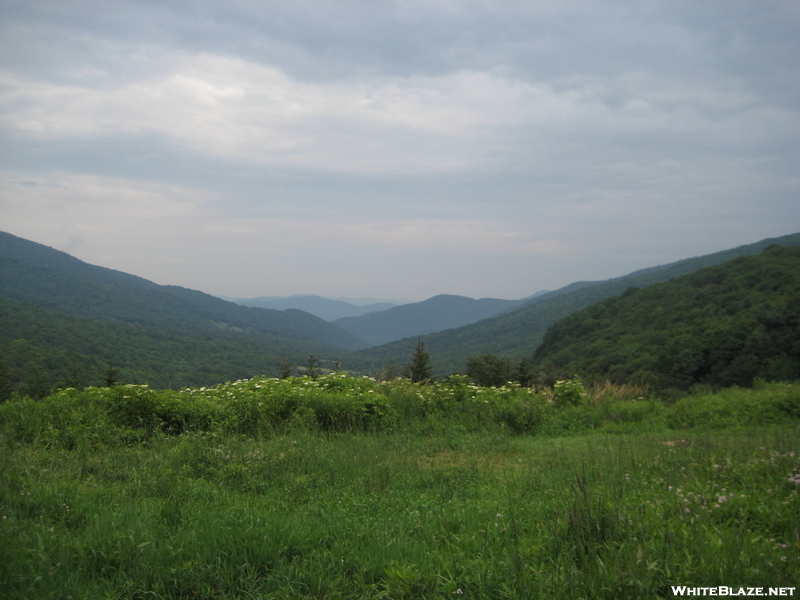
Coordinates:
<point>312,370</point>
<point>524,375</point>
<point>285,368</point>
<point>74,380</point>
<point>37,386</point>
<point>110,377</point>
<point>420,368</point>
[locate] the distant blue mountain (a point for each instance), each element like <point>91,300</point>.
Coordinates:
<point>324,308</point>
<point>420,318</point>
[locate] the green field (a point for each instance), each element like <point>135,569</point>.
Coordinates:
<point>344,487</point>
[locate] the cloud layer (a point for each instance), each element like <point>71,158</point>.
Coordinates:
<point>397,148</point>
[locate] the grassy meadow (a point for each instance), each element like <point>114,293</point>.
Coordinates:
<point>342,488</point>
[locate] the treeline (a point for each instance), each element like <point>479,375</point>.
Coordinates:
<point>41,350</point>
<point>518,333</point>
<point>726,325</point>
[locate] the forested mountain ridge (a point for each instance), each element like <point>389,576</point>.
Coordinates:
<point>54,280</point>
<point>63,320</point>
<point>40,348</point>
<point>444,311</point>
<point>518,333</point>
<point>723,325</point>
<point>59,315</point>
<point>324,308</point>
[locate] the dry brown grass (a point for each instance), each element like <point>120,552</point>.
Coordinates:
<point>616,391</point>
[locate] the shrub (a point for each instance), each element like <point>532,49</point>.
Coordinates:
<point>568,392</point>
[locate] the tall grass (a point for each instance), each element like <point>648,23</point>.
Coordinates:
<point>219,497</point>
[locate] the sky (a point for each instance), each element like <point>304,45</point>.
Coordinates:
<point>397,149</point>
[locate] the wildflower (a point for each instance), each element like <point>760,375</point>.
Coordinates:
<point>458,591</point>
<point>722,499</point>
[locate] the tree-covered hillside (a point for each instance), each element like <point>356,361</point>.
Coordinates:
<point>41,348</point>
<point>444,311</point>
<point>63,320</point>
<point>518,333</point>
<point>721,326</point>
<point>54,280</point>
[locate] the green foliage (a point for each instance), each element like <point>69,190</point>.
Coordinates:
<point>518,333</point>
<point>37,386</point>
<point>765,405</point>
<point>160,356</point>
<point>33,273</point>
<point>64,311</point>
<point>569,392</point>
<point>5,383</point>
<point>285,368</point>
<point>312,367</point>
<point>420,369</point>
<point>721,326</point>
<point>111,375</point>
<point>489,370</point>
<point>523,374</point>
<point>265,488</point>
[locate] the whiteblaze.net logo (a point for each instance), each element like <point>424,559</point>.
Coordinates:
<point>723,590</point>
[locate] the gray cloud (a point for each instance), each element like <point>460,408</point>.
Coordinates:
<point>326,147</point>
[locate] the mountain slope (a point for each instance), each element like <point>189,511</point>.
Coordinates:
<point>324,308</point>
<point>723,325</point>
<point>420,318</point>
<point>40,343</point>
<point>519,332</point>
<point>54,280</point>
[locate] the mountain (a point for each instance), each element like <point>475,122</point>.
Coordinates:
<point>48,347</point>
<point>31,272</point>
<point>721,326</point>
<point>364,301</point>
<point>57,311</point>
<point>324,308</point>
<point>421,318</point>
<point>517,333</point>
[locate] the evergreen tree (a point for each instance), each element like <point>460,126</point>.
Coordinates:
<point>285,368</point>
<point>489,370</point>
<point>312,369</point>
<point>524,375</point>
<point>111,376</point>
<point>420,369</point>
<point>37,386</point>
<point>74,380</point>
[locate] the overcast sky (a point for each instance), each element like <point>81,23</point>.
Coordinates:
<point>397,149</point>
